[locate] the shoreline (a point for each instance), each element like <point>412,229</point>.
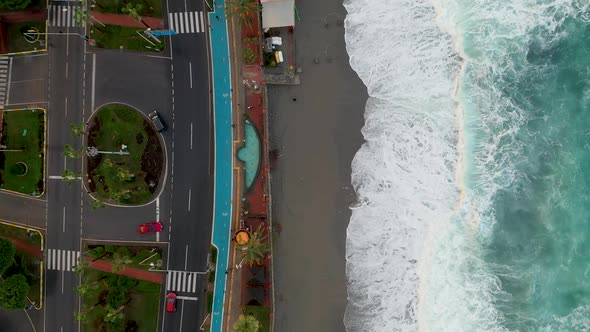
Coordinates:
<point>316,137</point>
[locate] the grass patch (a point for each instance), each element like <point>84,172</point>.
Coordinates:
<point>261,313</point>
<point>17,41</point>
<point>151,8</point>
<point>126,179</point>
<point>8,231</point>
<point>22,130</point>
<point>140,298</point>
<point>124,38</point>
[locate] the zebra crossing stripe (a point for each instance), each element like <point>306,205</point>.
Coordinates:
<point>171,22</point>
<point>191,17</point>
<point>202,22</point>
<point>58,262</point>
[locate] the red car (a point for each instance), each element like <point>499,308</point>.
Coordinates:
<point>171,302</point>
<point>150,227</point>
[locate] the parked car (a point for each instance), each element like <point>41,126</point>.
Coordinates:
<point>157,121</point>
<point>171,302</point>
<point>150,227</point>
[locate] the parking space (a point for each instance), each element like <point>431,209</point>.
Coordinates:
<point>27,81</point>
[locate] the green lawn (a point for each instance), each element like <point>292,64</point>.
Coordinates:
<point>23,130</point>
<point>261,313</point>
<point>16,40</point>
<point>125,38</point>
<point>142,302</point>
<point>120,124</point>
<point>152,8</point>
<point>8,231</point>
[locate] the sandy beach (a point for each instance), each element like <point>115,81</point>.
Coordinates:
<point>316,137</point>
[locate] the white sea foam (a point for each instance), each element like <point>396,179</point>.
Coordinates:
<point>413,251</point>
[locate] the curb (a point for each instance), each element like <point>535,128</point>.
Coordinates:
<point>41,268</point>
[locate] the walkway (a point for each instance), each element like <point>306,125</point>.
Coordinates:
<point>24,16</point>
<point>127,21</point>
<point>130,272</point>
<point>20,245</point>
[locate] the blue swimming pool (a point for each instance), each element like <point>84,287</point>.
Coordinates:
<point>250,154</point>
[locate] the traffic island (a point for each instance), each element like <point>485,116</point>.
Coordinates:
<point>124,157</point>
<point>118,291</point>
<point>25,36</point>
<point>22,151</point>
<point>125,38</point>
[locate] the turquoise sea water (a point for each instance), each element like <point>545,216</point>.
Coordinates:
<point>526,99</point>
<point>473,185</point>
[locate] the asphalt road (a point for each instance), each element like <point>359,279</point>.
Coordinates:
<point>66,61</point>
<point>78,83</point>
<point>192,181</point>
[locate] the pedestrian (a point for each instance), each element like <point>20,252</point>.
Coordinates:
<point>217,17</point>
<point>294,99</point>
<point>250,106</point>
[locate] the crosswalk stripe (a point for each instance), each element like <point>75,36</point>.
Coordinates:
<point>186,22</point>
<point>196,15</point>
<point>171,22</point>
<point>181,22</point>
<point>202,22</point>
<point>191,26</point>
<point>189,280</point>
<point>182,282</point>
<point>168,282</point>
<point>58,266</point>
<point>173,281</point>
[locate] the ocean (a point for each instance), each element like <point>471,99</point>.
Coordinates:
<point>473,185</point>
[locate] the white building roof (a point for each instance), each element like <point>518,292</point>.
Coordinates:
<point>278,13</point>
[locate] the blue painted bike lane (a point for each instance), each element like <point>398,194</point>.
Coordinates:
<point>223,157</point>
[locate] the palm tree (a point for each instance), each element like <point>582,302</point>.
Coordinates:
<point>70,177</point>
<point>133,12</point>
<point>83,289</point>
<point>243,9</point>
<point>255,249</point>
<point>80,316</point>
<point>113,314</point>
<point>97,203</point>
<point>120,261</point>
<point>124,174</point>
<point>246,323</point>
<point>70,152</point>
<point>77,129</point>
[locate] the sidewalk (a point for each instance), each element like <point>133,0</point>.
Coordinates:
<point>101,265</point>
<point>20,16</point>
<point>127,21</point>
<point>20,245</point>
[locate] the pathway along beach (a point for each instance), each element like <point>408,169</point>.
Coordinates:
<point>316,137</point>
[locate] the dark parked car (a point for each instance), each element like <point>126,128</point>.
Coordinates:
<point>157,121</point>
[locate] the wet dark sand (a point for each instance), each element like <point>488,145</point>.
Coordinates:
<point>316,137</point>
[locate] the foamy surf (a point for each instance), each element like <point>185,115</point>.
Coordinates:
<point>417,241</point>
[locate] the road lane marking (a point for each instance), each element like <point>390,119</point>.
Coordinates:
<point>66,69</point>
<point>64,221</point>
<point>185,256</point>
<point>189,298</point>
<point>190,73</point>
<point>66,98</point>
<point>62,282</point>
<point>181,315</point>
<point>202,22</point>
<point>93,81</point>
<point>189,199</point>
<point>191,135</point>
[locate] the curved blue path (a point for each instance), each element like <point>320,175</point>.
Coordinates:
<point>223,157</point>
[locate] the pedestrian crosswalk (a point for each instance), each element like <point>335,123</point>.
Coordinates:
<point>4,77</point>
<point>61,260</point>
<point>181,281</point>
<point>187,22</point>
<point>63,16</point>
